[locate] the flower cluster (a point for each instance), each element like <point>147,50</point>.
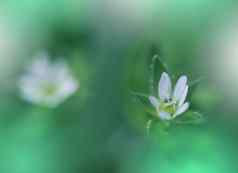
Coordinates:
<point>49,83</point>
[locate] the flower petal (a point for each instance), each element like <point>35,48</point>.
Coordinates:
<point>165,87</point>
<point>40,65</point>
<point>184,95</point>
<point>154,101</point>
<point>179,88</point>
<point>181,109</point>
<point>165,115</point>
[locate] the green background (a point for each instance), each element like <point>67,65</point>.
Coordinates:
<point>101,128</point>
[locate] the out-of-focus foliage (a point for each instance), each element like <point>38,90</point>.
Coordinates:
<point>108,45</point>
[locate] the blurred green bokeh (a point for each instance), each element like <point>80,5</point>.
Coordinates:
<point>101,129</point>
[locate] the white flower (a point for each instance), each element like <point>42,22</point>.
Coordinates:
<point>47,83</point>
<point>170,104</point>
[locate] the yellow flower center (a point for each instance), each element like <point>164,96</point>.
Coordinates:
<point>167,107</point>
<point>49,89</point>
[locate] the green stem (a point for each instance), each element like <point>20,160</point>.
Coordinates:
<point>148,126</point>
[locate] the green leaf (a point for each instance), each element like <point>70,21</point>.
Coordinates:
<point>193,85</point>
<point>159,127</point>
<point>190,117</point>
<point>143,98</point>
<point>195,82</point>
<point>157,67</point>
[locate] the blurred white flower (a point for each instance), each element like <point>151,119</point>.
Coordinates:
<point>47,83</point>
<point>170,104</point>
